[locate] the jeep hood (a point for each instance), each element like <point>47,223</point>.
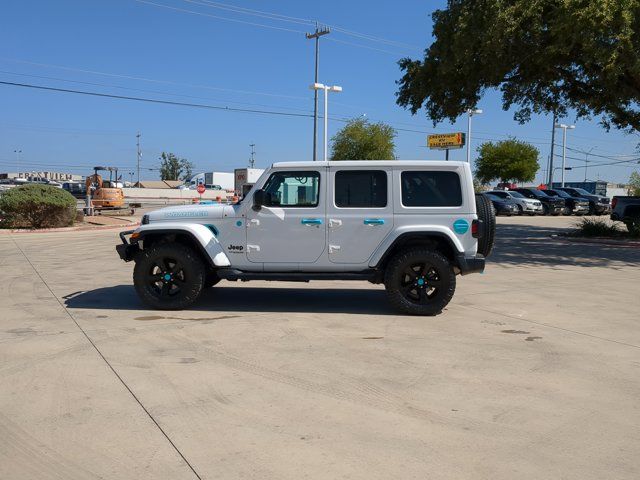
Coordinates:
<point>188,212</point>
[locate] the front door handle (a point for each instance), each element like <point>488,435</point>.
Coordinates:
<point>311,221</point>
<point>373,221</point>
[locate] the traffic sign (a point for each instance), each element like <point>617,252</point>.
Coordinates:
<point>200,188</point>
<point>446,141</point>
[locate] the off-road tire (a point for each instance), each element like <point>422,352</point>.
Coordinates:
<point>487,215</point>
<point>438,281</point>
<point>184,267</point>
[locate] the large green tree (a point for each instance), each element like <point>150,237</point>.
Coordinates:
<point>508,160</point>
<point>361,140</point>
<point>174,168</point>
<point>543,55</point>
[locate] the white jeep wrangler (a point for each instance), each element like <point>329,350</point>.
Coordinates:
<point>412,225</point>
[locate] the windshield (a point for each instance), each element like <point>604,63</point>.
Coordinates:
<point>499,194</point>
<point>516,194</point>
<point>582,191</point>
<point>562,194</point>
<point>493,197</point>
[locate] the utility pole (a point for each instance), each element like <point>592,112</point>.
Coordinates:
<point>316,35</point>
<point>139,156</point>
<point>252,160</point>
<point>586,161</point>
<point>553,141</point>
<point>17,152</point>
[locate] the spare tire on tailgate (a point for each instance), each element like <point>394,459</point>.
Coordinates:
<point>487,216</point>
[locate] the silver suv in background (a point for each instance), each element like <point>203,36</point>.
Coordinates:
<point>526,206</point>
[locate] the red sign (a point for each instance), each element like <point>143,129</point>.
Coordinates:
<point>200,188</point>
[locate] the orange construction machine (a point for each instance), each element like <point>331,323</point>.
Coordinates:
<point>105,194</point>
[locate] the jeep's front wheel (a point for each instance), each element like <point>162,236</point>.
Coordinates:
<point>169,276</point>
<point>419,281</point>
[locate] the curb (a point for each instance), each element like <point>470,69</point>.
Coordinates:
<point>601,241</point>
<point>81,228</point>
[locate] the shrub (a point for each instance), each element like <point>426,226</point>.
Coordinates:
<point>589,227</point>
<point>37,206</point>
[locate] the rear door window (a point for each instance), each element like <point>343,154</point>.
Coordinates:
<point>431,189</point>
<point>361,189</point>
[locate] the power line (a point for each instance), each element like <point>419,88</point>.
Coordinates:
<point>193,12</point>
<point>262,25</point>
<point>152,100</point>
<point>300,21</point>
<point>96,84</point>
<point>152,80</point>
<point>250,11</point>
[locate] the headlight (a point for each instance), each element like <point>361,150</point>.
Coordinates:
<point>145,219</point>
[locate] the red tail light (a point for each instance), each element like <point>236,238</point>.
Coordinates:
<point>475,228</point>
<point>614,202</point>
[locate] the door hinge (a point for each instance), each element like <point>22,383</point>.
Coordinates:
<point>253,248</point>
<point>334,248</point>
<point>334,223</point>
<point>254,222</point>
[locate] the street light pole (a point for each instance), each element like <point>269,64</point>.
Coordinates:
<point>470,113</point>
<point>139,156</point>
<point>327,89</point>
<point>564,145</point>
<point>316,35</point>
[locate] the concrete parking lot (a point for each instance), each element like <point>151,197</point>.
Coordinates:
<point>532,372</point>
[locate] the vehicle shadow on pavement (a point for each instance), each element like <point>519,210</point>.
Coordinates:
<point>226,297</point>
<point>531,245</point>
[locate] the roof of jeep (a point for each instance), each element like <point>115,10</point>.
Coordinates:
<point>370,163</point>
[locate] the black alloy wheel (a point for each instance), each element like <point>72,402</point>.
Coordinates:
<point>420,281</point>
<point>169,276</point>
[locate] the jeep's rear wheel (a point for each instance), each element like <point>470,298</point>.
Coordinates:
<point>487,215</point>
<point>419,281</point>
<point>169,276</point>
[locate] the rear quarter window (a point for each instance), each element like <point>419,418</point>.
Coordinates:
<point>431,189</point>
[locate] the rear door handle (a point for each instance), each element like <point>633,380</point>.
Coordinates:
<point>311,221</point>
<point>373,221</point>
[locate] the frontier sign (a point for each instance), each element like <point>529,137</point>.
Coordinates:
<point>446,141</point>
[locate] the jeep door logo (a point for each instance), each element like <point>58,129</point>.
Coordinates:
<point>235,248</point>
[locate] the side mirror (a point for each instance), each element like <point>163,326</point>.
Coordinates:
<point>259,199</point>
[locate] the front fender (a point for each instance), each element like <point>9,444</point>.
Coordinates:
<point>202,235</point>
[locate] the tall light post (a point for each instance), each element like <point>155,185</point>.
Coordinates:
<point>327,89</point>
<point>17,152</point>
<point>470,113</point>
<point>564,128</point>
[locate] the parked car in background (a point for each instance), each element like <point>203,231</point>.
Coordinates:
<point>598,204</point>
<point>572,205</point>
<point>550,205</point>
<point>525,205</point>
<point>503,206</point>
<point>627,210</point>
<point>77,189</point>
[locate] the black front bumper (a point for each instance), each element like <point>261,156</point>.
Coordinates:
<point>469,265</point>
<point>126,250</point>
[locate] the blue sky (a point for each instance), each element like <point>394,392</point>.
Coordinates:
<point>222,56</point>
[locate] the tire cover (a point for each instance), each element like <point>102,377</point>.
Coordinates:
<point>487,215</point>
